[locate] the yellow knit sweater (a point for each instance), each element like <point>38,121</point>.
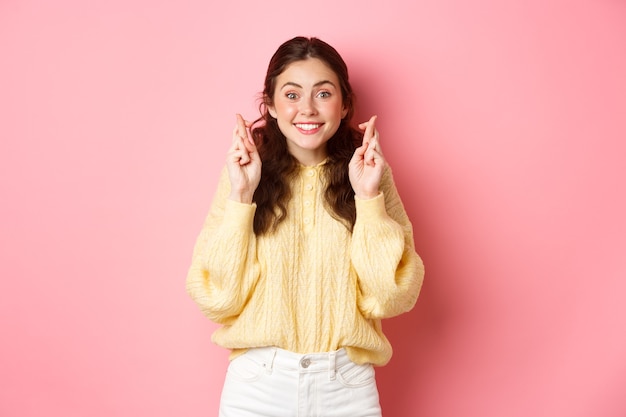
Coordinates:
<point>310,286</point>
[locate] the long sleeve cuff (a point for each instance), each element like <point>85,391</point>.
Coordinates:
<point>239,215</point>
<point>371,209</point>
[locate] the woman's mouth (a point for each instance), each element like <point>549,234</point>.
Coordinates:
<point>308,128</point>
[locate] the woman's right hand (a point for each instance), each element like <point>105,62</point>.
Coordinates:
<point>243,163</point>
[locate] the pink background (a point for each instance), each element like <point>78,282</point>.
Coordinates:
<point>505,122</point>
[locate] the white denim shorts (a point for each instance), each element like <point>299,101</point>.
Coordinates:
<point>272,382</point>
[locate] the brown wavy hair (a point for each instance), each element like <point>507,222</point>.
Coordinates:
<point>279,167</point>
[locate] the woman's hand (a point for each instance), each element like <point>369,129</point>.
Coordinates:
<point>243,163</point>
<point>367,163</point>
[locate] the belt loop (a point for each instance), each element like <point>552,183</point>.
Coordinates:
<point>332,371</point>
<point>269,366</point>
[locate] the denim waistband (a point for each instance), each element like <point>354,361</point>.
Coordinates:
<point>273,357</point>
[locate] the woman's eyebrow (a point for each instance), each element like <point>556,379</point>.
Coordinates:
<point>317,84</point>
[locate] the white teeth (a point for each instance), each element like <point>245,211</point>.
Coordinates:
<point>307,126</point>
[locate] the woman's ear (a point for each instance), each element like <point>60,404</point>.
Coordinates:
<point>344,112</point>
<point>268,103</point>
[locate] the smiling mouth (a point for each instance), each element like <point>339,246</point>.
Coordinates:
<point>307,127</point>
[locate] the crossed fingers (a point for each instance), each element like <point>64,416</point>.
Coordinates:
<point>242,144</point>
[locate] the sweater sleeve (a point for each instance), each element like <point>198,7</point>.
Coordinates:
<point>390,273</point>
<point>224,266</point>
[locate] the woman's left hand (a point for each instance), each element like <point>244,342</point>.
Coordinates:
<point>367,163</point>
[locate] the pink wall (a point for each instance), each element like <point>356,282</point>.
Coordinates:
<point>505,122</point>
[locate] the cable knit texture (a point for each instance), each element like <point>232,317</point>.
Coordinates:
<point>310,286</point>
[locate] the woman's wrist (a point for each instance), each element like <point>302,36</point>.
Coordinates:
<point>241,197</point>
<point>367,195</point>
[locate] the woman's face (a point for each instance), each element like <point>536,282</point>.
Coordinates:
<point>308,107</point>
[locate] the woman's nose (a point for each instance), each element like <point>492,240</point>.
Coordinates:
<point>307,106</point>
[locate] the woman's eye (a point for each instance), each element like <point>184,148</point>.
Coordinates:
<point>291,96</point>
<point>324,94</point>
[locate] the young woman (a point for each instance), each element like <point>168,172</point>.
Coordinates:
<point>305,249</point>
